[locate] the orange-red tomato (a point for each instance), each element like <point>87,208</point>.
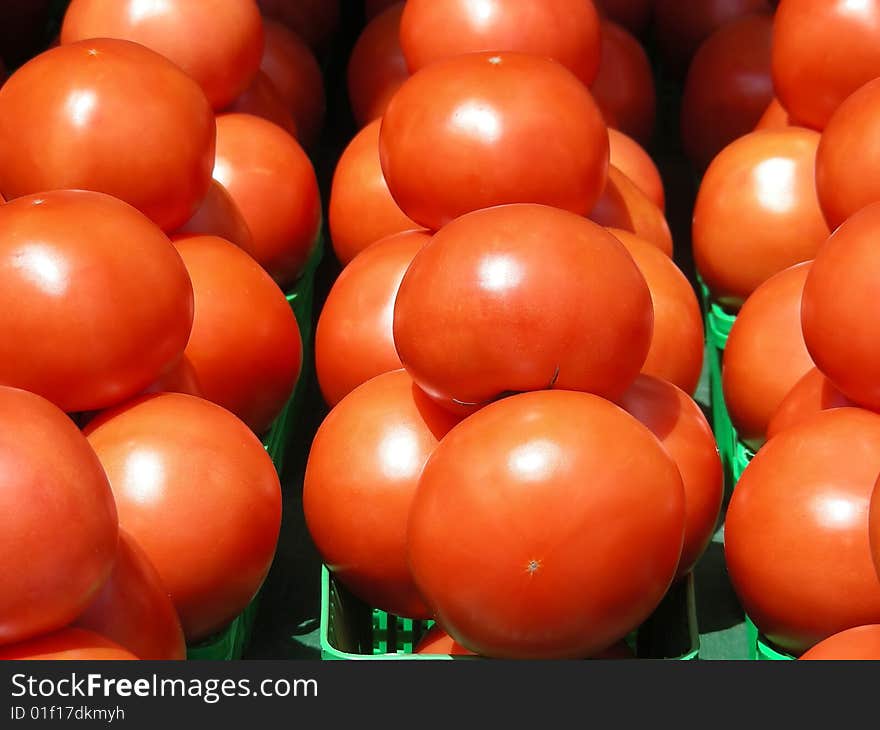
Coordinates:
<point>245,345</point>
<point>728,87</point>
<point>811,394</point>
<point>437,641</point>
<point>859,643</point>
<point>796,531</point>
<point>315,21</point>
<point>273,184</point>
<point>198,492</point>
<point>565,30</point>
<point>376,68</point>
<point>67,645</point>
<point>181,378</point>
<point>823,50</point>
<point>623,205</point>
<point>121,119</point>
<point>676,352</point>
<point>357,515</point>
<point>775,117</point>
<point>354,339</point>
<point>95,303</point>
<point>542,529</point>
<point>262,99</point>
<point>462,134</point>
<point>624,86</point>
<point>59,524</point>
<point>522,297</point>
<point>134,609</point>
<point>765,354</point>
<point>216,42</point>
<point>632,160</point>
<point>874,527</point>
<point>361,209</point>
<point>634,15</point>
<point>757,212</point>
<point>218,215</point>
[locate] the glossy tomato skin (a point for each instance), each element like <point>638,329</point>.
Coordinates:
<point>634,15</point>
<point>315,21</point>
<point>181,378</point>
<point>775,117</point>
<point>565,30</point>
<point>823,50</point>
<point>245,345</point>
<point>437,641</point>
<point>811,394</point>
<point>632,160</point>
<point>273,183</point>
<point>70,644</point>
<point>216,42</point>
<point>198,492</point>
<point>354,338</point>
<point>859,643</point>
<point>765,354</point>
<point>218,215</point>
<point>59,531</point>
<point>460,135</point>
<point>496,279</point>
<point>357,514</point>
<point>95,302</point>
<point>796,537</point>
<point>140,129</point>
<point>361,209</point>
<point>757,212</point>
<point>134,609</point>
<point>262,99</point>
<point>541,529</point>
<point>874,527</point>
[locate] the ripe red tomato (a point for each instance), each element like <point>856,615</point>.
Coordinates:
<point>823,50</point>
<point>624,206</point>
<point>565,30</point>
<point>291,66</point>
<point>757,212</point>
<point>462,134</point>
<point>95,303</point>
<point>273,184</point>
<point>437,641</point>
<point>676,352</point>
<point>796,532</point>
<point>198,492</point>
<point>624,86</point>
<point>218,215</point>
<point>354,339</point>
<point>860,643</point>
<point>542,529</point>
<point>874,527</point>
<point>811,394</point>
<point>67,645</point>
<point>522,297</point>
<point>59,524</point>
<point>376,67</point>
<point>181,378</point>
<point>728,87</point>
<point>315,21</point>
<point>357,515</point>
<point>122,119</point>
<point>632,160</point>
<point>765,354</point>
<point>262,99</point>
<point>775,117</point>
<point>216,42</point>
<point>245,345</point>
<point>134,609</point>
<point>634,15</point>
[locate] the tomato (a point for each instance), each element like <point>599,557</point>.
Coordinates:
<point>811,394</point>
<point>67,645</point>
<point>823,50</point>
<point>757,212</point>
<point>245,345</point>
<point>836,316</point>
<point>59,526</point>
<point>624,86</point>
<point>861,642</point>
<point>632,160</point>
<point>95,303</point>
<point>676,352</point>
<point>262,99</point>
<point>372,8</point>
<point>634,15</point>
<point>848,154</point>
<point>874,527</point>
<point>357,515</point>
<point>354,339</point>
<point>315,21</point>
<point>216,42</point>
<point>293,69</point>
<point>198,492</point>
<point>134,609</point>
<point>181,378</point>
<point>623,205</point>
<point>361,209</point>
<point>565,30</point>
<point>522,297</point>
<point>273,184</point>
<point>728,87</point>
<point>542,529</point>
<point>775,117</point>
<point>437,641</point>
<point>122,119</point>
<point>218,215</point>
<point>462,134</point>
<point>796,532</point>
<point>765,355</point>
<point>376,67</point>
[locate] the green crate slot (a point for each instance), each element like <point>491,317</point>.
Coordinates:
<point>760,649</point>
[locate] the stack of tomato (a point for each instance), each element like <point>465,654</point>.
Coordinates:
<point>153,216</point>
